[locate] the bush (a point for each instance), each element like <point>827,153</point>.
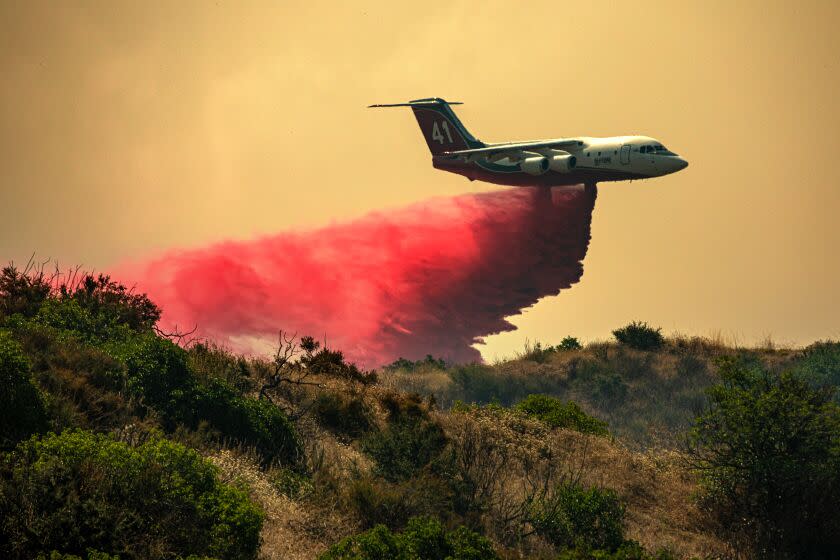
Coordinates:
<point>23,407</point>
<point>557,414</point>
<point>112,303</point>
<point>71,319</point>
<point>209,361</point>
<point>423,539</point>
<point>640,336</point>
<point>820,366</point>
<point>343,413</point>
<point>404,448</point>
<point>608,390</point>
<point>322,360</point>
<point>574,516</point>
<point>537,353</point>
<point>429,362</point>
<point>86,386</point>
<point>375,501</point>
<point>157,372</point>
<point>22,293</point>
<point>96,309</point>
<point>250,421</point>
<point>291,484</point>
<point>569,343</point>
<point>768,450</point>
<point>78,491</point>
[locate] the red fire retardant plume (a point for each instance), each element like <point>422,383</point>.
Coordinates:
<point>431,278</point>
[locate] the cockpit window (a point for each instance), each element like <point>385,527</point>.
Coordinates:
<point>660,149</point>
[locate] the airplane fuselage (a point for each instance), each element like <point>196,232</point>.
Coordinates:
<point>543,163</point>
<point>596,160</point>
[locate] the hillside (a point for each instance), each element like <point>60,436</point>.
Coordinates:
<point>122,440</point>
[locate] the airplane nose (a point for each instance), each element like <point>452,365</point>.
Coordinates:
<point>681,163</point>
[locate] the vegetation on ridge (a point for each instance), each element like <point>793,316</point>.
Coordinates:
<point>117,441</point>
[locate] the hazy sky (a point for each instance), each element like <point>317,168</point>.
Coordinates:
<point>130,127</point>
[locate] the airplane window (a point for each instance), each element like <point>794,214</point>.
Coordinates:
<point>599,153</point>
<point>588,154</point>
<point>643,149</point>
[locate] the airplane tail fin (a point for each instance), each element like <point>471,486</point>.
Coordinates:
<point>441,128</point>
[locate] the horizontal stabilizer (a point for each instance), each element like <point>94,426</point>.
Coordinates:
<point>441,128</point>
<point>419,102</point>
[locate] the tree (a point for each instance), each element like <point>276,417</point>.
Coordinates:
<point>768,450</point>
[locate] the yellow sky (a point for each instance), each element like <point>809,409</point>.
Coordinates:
<point>128,127</point>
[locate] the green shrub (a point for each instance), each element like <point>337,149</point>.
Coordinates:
<point>768,450</point>
<point>375,501</point>
<point>291,484</point>
<point>21,293</point>
<point>537,353</point>
<point>540,354</point>
<point>68,315</point>
<point>78,491</point>
<point>609,390</point>
<point>558,414</point>
<point>343,413</point>
<point>112,303</point>
<point>640,336</point>
<point>404,448</point>
<point>569,343</point>
<point>820,366</point>
<point>404,406</point>
<point>157,373</point>
<point>574,516</point>
<point>96,310</point>
<point>22,404</point>
<point>423,539</point>
<point>429,362</point>
<point>86,386</point>
<point>208,361</point>
<point>250,421</point>
<point>323,360</point>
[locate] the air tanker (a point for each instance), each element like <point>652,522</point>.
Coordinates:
<point>540,163</point>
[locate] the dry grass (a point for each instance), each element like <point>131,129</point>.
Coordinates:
<point>510,456</point>
<point>293,529</point>
<point>656,486</point>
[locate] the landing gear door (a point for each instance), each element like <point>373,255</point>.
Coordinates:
<point>625,154</point>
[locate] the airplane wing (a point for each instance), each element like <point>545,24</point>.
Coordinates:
<point>497,149</point>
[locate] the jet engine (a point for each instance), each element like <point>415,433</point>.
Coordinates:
<point>534,165</point>
<point>562,163</point>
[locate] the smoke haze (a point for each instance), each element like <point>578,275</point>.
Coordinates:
<point>431,278</point>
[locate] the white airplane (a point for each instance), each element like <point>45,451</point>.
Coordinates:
<point>543,163</point>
